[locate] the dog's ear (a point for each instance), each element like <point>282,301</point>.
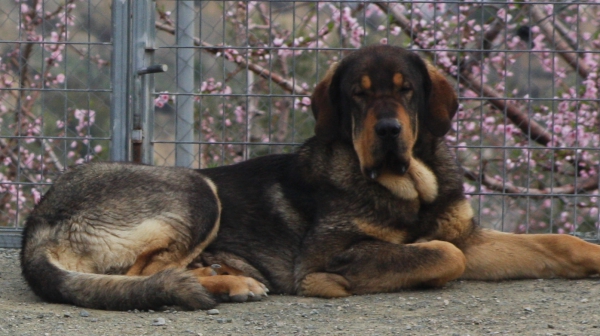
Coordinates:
<point>442,105</point>
<point>326,116</point>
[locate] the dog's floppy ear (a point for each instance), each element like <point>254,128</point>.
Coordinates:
<point>442,105</point>
<point>327,125</point>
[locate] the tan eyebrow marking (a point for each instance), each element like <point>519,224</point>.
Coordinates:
<point>365,82</point>
<point>398,79</point>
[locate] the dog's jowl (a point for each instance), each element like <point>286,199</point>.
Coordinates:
<point>372,203</point>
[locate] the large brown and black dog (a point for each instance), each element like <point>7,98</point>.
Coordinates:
<point>373,203</point>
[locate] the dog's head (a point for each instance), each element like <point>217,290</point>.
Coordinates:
<point>381,98</point>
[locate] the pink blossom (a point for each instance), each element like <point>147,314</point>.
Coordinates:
<point>37,196</point>
<point>239,114</point>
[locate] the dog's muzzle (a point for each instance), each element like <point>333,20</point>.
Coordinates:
<point>390,154</point>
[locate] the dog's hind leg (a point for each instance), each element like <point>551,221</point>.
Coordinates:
<point>231,287</point>
<point>167,254</point>
<point>494,255</point>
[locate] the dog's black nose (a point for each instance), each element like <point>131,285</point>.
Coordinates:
<point>388,128</point>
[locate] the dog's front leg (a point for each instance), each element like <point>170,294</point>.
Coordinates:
<point>377,267</point>
<point>494,255</point>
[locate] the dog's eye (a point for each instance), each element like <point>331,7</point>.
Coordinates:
<point>359,93</point>
<point>405,88</point>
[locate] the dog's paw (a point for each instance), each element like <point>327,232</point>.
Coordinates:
<point>234,288</point>
<point>201,271</point>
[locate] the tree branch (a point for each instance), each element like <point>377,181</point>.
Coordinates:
<point>584,185</point>
<point>534,130</point>
<point>284,83</point>
<point>561,45</point>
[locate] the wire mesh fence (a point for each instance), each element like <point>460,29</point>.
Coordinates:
<point>54,97</point>
<point>239,82</point>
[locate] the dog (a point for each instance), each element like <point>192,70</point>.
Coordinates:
<point>372,203</point>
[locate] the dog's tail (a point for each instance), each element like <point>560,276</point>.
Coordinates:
<point>53,283</point>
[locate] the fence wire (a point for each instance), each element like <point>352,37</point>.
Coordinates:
<point>241,73</point>
<point>54,98</point>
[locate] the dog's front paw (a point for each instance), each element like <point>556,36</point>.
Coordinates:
<point>234,288</point>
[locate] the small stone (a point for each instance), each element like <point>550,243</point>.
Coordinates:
<point>84,313</point>
<point>67,314</point>
<point>159,321</point>
<point>550,326</point>
<point>212,312</point>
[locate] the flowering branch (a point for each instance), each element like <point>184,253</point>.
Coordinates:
<point>284,83</point>
<point>535,131</point>
<point>561,45</point>
<point>503,186</point>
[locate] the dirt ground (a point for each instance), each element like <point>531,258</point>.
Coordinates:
<point>532,307</point>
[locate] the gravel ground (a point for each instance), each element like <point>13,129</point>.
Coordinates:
<point>532,307</point>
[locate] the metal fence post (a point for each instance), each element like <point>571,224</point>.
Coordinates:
<point>143,47</point>
<point>184,132</point>
<point>120,146</point>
